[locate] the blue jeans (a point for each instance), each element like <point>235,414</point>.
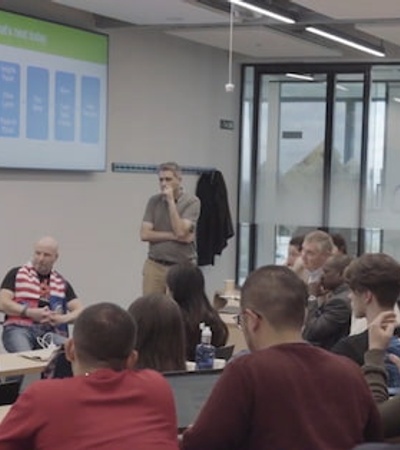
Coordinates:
<point>392,370</point>
<point>18,338</point>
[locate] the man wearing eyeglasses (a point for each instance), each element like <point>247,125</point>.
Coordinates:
<point>285,394</point>
<point>169,226</point>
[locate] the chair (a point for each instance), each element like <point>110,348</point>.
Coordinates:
<point>224,352</point>
<point>9,391</point>
<point>59,366</point>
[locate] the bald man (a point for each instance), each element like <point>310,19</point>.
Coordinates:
<point>37,300</point>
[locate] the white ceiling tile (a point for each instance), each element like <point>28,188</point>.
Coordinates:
<point>150,12</point>
<point>258,42</point>
<point>389,33</point>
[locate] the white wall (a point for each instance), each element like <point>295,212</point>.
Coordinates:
<point>166,97</point>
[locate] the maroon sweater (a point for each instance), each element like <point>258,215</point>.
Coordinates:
<point>287,397</point>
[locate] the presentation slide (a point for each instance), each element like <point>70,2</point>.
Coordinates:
<point>53,95</point>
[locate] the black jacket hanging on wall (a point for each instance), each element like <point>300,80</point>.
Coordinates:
<point>214,226</point>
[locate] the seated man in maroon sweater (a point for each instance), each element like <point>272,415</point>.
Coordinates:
<point>286,394</point>
<point>106,405</point>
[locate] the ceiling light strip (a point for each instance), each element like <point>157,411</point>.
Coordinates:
<point>262,11</point>
<point>334,37</point>
<point>299,76</point>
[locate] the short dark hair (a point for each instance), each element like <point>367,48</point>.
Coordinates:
<point>278,294</point>
<point>378,273</point>
<point>104,336</point>
<point>161,333</point>
<point>297,241</point>
<point>340,242</point>
<point>339,262</point>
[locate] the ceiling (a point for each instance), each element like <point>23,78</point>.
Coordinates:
<point>207,22</point>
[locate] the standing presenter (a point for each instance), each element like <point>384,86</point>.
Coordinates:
<point>169,226</point>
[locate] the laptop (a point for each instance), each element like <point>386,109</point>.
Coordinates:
<point>191,390</point>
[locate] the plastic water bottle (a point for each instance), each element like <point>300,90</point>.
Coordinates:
<point>58,305</point>
<point>205,351</point>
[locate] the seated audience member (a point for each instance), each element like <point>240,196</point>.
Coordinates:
<point>340,244</point>
<point>294,250</point>
<point>285,394</point>
<point>161,334</point>
<point>106,405</point>
<point>37,300</point>
<point>329,316</point>
<point>294,260</point>
<point>317,248</point>
<point>380,332</point>
<point>186,285</point>
<point>374,281</point>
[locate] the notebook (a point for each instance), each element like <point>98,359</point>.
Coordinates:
<point>191,390</point>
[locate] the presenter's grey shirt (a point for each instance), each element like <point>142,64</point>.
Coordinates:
<point>157,213</point>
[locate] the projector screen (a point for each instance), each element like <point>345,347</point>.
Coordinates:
<point>53,95</point>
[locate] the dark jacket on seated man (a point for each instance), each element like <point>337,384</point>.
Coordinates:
<point>329,320</point>
<point>374,281</point>
<point>329,316</point>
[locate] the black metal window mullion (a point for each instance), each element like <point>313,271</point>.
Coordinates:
<point>364,161</point>
<point>327,168</point>
<point>253,169</point>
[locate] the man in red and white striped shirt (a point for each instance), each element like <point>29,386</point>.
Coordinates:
<point>37,300</point>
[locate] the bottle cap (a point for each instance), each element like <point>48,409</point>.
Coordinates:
<point>206,335</point>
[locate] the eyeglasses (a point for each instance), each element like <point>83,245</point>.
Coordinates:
<point>238,318</point>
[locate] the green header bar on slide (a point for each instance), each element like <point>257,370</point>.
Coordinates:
<point>47,37</point>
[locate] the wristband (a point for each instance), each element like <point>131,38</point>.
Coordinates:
<point>23,311</point>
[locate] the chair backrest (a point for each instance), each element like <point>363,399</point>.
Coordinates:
<point>9,391</point>
<point>224,352</point>
<point>59,366</point>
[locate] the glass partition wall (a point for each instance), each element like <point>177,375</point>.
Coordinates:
<point>318,150</point>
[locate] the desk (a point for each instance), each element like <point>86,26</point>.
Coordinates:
<point>14,364</point>
<point>3,411</point>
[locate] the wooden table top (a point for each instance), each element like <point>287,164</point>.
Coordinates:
<point>15,364</point>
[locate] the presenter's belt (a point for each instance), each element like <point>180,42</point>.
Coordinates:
<point>163,262</point>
